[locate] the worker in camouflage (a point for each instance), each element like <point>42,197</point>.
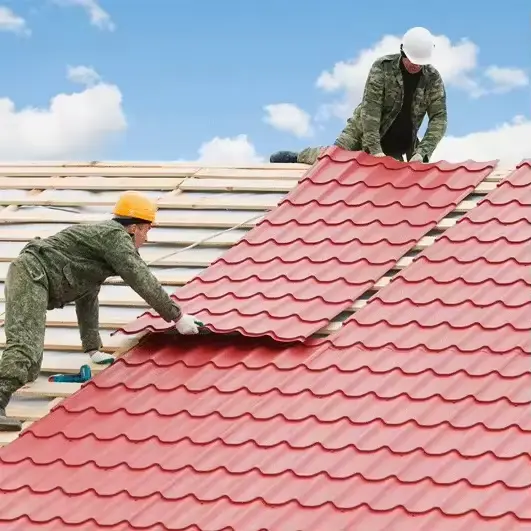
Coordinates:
<point>71,266</point>
<point>400,90</point>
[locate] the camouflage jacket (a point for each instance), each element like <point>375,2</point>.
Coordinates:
<point>77,261</point>
<point>381,104</point>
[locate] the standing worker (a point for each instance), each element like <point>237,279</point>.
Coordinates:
<point>71,266</point>
<point>400,90</point>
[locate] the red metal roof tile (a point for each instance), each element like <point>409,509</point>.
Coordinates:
<point>346,224</point>
<point>470,289</point>
<point>403,420</point>
<point>227,434</point>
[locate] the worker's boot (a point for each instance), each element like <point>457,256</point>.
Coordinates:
<point>284,157</point>
<point>7,423</point>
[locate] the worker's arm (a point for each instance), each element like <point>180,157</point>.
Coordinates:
<point>123,257</point>
<point>88,314</point>
<point>345,138</point>
<point>438,118</point>
<point>310,155</point>
<point>371,112</point>
<point>370,117</point>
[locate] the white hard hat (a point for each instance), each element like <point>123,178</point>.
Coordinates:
<point>418,45</point>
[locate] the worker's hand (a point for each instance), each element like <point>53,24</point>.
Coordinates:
<point>417,157</point>
<point>188,325</point>
<point>101,358</point>
<point>380,154</point>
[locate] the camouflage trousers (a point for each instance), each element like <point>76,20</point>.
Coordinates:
<point>26,295</point>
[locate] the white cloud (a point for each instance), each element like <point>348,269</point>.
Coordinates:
<point>72,126</point>
<point>457,63</point>
<point>508,142</point>
<point>235,150</point>
<point>506,79</point>
<point>84,75</point>
<point>9,21</point>
<point>289,118</point>
<point>98,16</point>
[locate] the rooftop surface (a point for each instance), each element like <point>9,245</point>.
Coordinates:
<point>411,412</point>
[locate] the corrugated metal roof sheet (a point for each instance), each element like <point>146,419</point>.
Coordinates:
<point>469,290</point>
<point>422,424</point>
<point>346,224</point>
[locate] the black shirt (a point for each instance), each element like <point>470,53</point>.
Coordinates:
<point>399,136</point>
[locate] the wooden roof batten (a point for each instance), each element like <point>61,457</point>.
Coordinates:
<point>219,200</point>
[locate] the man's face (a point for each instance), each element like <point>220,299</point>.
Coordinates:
<point>412,68</point>
<point>140,233</point>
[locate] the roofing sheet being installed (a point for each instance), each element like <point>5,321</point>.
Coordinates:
<point>346,224</point>
<point>421,424</point>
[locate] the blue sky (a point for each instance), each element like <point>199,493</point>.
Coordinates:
<point>192,70</point>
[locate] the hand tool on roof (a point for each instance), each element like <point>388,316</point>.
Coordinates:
<point>84,375</point>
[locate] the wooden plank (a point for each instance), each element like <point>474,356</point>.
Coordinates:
<point>109,324</point>
<point>161,183</point>
<point>62,365</point>
<point>263,166</point>
<point>220,202</point>
<point>89,183</point>
<point>22,166</point>
<point>499,173</point>
<point>236,185</point>
<point>466,206</point>
<point>66,339</point>
<point>66,347</point>
<point>23,412</point>
<point>485,187</point>
<point>43,389</point>
<point>269,172</point>
<point>22,172</point>
<point>258,202</point>
<point>7,437</point>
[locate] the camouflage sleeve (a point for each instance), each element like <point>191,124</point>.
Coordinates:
<point>123,257</point>
<point>371,108</point>
<point>309,155</point>
<point>438,118</point>
<point>88,313</point>
<point>345,140</point>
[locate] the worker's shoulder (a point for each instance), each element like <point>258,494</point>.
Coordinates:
<point>431,73</point>
<point>387,60</point>
<point>108,230</point>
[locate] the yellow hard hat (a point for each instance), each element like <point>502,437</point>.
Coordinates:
<point>135,205</point>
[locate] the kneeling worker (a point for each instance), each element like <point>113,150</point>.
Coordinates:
<point>401,89</point>
<point>71,266</point>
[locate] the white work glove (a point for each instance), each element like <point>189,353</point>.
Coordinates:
<point>188,325</point>
<point>417,157</point>
<point>380,154</point>
<point>101,358</point>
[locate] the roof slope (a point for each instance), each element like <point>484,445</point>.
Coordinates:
<point>203,212</point>
<point>404,419</point>
<point>346,224</point>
